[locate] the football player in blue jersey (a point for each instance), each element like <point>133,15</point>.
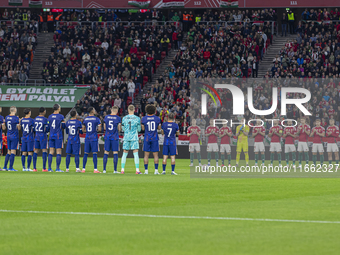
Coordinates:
<point>113,127</point>
<point>90,126</point>
<point>73,128</point>
<point>1,123</point>
<point>131,126</point>
<point>12,123</point>
<point>151,124</point>
<point>170,129</point>
<point>27,140</point>
<point>41,129</point>
<point>56,125</point>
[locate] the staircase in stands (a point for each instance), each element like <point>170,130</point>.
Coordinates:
<point>42,51</point>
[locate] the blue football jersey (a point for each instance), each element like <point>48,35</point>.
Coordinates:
<point>131,127</point>
<point>170,129</point>
<point>55,126</point>
<point>1,121</point>
<point>41,128</point>
<point>73,127</point>
<point>11,125</point>
<point>27,127</point>
<point>91,123</point>
<point>151,124</point>
<point>111,124</point>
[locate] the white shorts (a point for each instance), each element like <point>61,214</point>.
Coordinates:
<point>259,147</point>
<point>275,147</point>
<point>290,148</point>
<point>302,146</point>
<point>225,148</point>
<point>194,147</point>
<point>332,147</point>
<point>317,147</point>
<point>212,147</point>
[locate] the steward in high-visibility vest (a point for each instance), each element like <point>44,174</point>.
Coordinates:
<point>290,16</point>
<point>58,17</point>
<point>50,22</point>
<point>291,22</point>
<point>49,18</point>
<point>24,17</point>
<point>198,19</point>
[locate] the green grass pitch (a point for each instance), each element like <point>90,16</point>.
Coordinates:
<point>272,198</point>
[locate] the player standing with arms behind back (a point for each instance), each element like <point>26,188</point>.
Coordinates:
<point>170,129</point>
<point>275,133</point>
<point>225,134</point>
<point>112,126</point>
<point>90,125</point>
<point>333,134</point>
<point>73,128</point>
<point>259,132</point>
<point>131,126</point>
<point>289,134</point>
<point>151,124</point>
<point>212,132</point>
<point>318,132</point>
<point>56,125</point>
<point>194,144</point>
<point>41,128</point>
<point>303,132</point>
<point>13,126</point>
<point>27,140</point>
<point>1,123</point>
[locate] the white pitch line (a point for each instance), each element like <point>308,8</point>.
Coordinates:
<point>173,216</point>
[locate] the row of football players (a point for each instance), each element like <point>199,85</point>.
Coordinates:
<point>35,138</point>
<point>290,133</point>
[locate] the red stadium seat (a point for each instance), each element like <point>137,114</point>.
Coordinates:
<point>163,54</point>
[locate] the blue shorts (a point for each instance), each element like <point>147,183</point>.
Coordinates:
<point>131,145</point>
<point>169,149</point>
<point>111,145</point>
<point>91,146</point>
<point>27,146</point>
<point>151,146</point>
<point>73,148</point>
<point>42,144</point>
<point>12,143</point>
<point>56,143</point>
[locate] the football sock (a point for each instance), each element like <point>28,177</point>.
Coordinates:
<point>321,159</point>
<point>50,158</point>
<point>23,160</point>
<point>337,161</point>
<point>124,159</point>
<point>58,161</point>
<point>115,161</point>
<point>330,162</point>
<point>146,167</point>
<point>35,157</point>
<point>95,160</point>
<point>256,158</point>
<point>229,158</point>
<point>76,160</point>
<point>294,157</point>
<point>29,160</point>
<point>135,155</point>
<point>156,167</point>
<point>68,160</point>
<point>246,155</point>
<point>279,157</point>
<point>216,157</point>
<point>287,158</point>
<point>209,157</point>
<point>314,160</point>
<point>173,167</point>
<point>6,160</point>
<point>85,160</point>
<point>164,167</point>
<point>263,158</point>
<point>238,155</point>
<point>271,158</point>
<point>44,156</point>
<point>191,157</point>
<point>199,157</point>
<point>11,161</point>
<point>300,158</point>
<point>222,158</point>
<point>105,161</point>
<point>306,157</point>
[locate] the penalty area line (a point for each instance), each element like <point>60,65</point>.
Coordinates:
<point>173,216</point>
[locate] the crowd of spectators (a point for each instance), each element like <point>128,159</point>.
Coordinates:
<point>17,46</point>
